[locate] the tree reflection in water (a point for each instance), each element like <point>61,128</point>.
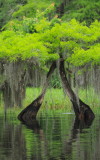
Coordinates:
<point>49,138</point>
<point>67,147</point>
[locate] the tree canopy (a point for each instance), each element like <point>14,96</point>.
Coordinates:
<point>46,40</point>
<point>43,39</point>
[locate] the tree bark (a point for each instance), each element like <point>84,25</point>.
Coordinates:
<point>30,112</point>
<point>82,110</point>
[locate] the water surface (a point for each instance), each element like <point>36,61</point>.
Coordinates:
<point>49,138</point>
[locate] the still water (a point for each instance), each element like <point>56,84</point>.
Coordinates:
<point>49,138</point>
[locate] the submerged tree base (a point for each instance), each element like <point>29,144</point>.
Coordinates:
<point>85,113</point>
<point>30,112</point>
<point>82,111</point>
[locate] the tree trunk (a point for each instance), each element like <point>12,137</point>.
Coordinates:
<point>82,110</point>
<point>30,111</point>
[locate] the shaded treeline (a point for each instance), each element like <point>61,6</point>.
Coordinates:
<point>15,77</point>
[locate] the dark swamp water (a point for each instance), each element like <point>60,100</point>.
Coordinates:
<point>49,138</point>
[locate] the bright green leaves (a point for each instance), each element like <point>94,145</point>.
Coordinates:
<point>36,34</point>
<point>15,46</point>
<point>69,36</point>
<point>31,25</point>
<point>19,46</point>
<point>90,52</point>
<point>82,57</point>
<point>78,43</point>
<point>42,25</point>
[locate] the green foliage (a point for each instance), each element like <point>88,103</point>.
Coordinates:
<point>55,81</point>
<point>82,57</point>
<point>7,8</point>
<point>15,46</point>
<point>46,40</point>
<point>15,9</point>
<point>54,99</point>
<point>91,52</point>
<point>34,9</point>
<point>83,10</point>
<point>26,10</point>
<point>27,25</point>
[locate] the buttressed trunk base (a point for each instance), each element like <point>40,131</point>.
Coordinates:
<point>30,112</point>
<point>82,110</point>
